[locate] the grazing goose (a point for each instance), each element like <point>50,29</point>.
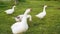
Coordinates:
<point>19,17</point>
<point>42,14</point>
<point>10,11</point>
<point>20,27</point>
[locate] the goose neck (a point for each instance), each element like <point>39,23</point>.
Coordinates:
<point>13,7</point>
<point>24,19</point>
<point>44,9</point>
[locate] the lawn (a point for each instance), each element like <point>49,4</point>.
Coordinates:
<point>50,24</point>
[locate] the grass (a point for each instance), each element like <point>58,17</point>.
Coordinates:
<point>50,24</point>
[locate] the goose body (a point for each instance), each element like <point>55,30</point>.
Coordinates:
<point>20,27</point>
<point>42,14</point>
<point>10,11</point>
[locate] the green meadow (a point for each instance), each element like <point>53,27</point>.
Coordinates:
<point>50,24</point>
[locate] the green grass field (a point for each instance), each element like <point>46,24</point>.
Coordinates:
<point>50,24</point>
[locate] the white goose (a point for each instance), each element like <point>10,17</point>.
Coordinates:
<point>42,14</point>
<point>19,17</point>
<point>10,11</point>
<point>20,27</point>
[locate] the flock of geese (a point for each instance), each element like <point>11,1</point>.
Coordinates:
<point>21,25</point>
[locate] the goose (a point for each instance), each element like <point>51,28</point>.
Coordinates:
<point>10,11</point>
<point>42,14</point>
<point>19,17</point>
<point>20,27</point>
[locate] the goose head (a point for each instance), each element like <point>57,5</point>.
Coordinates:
<point>45,6</point>
<point>27,10</point>
<point>14,6</point>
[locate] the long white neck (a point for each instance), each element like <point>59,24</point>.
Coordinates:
<point>44,9</point>
<point>24,19</point>
<point>13,7</point>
